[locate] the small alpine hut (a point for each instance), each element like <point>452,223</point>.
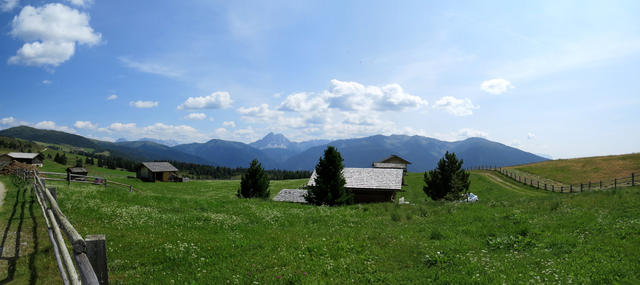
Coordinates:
<point>392,162</point>
<point>157,171</point>
<point>370,185</point>
<point>23,157</point>
<point>76,171</point>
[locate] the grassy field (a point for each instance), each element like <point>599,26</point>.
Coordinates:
<point>582,170</point>
<point>199,232</point>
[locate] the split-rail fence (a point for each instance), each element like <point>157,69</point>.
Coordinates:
<point>89,253</point>
<point>554,186</point>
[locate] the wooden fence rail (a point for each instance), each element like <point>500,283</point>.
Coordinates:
<point>90,257</point>
<point>84,179</point>
<point>554,186</point>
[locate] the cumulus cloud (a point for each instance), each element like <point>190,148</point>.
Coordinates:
<point>215,100</point>
<point>51,33</point>
<point>531,136</point>
<point>181,133</point>
<point>346,95</point>
<point>112,97</point>
<point>455,106</point>
<point>7,121</point>
<point>8,5</point>
<point>302,102</point>
<point>144,104</point>
<point>196,116</point>
<point>85,125</point>
<point>51,125</point>
<point>496,86</point>
<point>230,124</point>
<point>46,82</point>
<point>461,134</point>
<point>81,3</point>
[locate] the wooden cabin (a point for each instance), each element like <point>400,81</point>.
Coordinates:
<point>23,157</point>
<point>370,185</point>
<point>392,162</point>
<point>76,171</point>
<point>157,171</point>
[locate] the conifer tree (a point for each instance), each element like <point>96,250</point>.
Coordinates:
<point>254,183</point>
<point>329,182</point>
<point>448,180</point>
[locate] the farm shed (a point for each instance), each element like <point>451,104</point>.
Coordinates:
<point>157,171</point>
<point>23,157</point>
<point>392,162</point>
<point>370,185</point>
<point>76,171</point>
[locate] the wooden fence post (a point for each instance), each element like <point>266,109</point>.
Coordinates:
<point>53,192</point>
<point>561,188</point>
<point>600,184</point>
<point>633,179</point>
<point>553,188</point>
<point>615,183</point>
<point>589,185</point>
<point>97,254</point>
<point>570,188</point>
<point>105,183</point>
<point>580,187</point>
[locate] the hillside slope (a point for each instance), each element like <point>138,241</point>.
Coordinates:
<point>580,170</point>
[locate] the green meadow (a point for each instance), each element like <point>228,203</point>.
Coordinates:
<point>199,233</point>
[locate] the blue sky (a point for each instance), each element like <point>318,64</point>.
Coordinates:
<point>550,77</point>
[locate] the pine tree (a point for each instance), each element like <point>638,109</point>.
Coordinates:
<point>63,159</point>
<point>57,158</point>
<point>254,183</point>
<point>329,182</point>
<point>448,180</point>
<point>78,162</point>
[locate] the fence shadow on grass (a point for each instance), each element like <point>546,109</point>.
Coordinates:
<point>20,203</point>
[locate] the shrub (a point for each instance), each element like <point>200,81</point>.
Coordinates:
<point>448,180</point>
<point>254,183</point>
<point>329,183</point>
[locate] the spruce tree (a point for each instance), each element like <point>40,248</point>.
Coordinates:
<point>448,180</point>
<point>329,182</point>
<point>254,183</point>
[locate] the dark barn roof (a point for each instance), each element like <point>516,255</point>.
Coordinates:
<point>23,155</point>
<point>392,157</point>
<point>369,178</point>
<point>77,170</point>
<point>159,166</point>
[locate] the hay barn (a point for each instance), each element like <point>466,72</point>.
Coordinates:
<point>392,162</point>
<point>157,171</point>
<point>23,157</point>
<point>370,185</point>
<point>76,171</point>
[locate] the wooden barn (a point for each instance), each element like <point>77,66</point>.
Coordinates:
<point>157,171</point>
<point>393,162</point>
<point>370,185</point>
<point>76,171</point>
<point>24,157</point>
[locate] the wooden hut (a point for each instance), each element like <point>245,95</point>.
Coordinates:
<point>76,171</point>
<point>370,185</point>
<point>157,171</point>
<point>393,162</point>
<point>24,157</point>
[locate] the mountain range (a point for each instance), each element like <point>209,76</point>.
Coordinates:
<point>276,151</point>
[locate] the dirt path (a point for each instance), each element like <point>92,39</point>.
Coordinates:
<point>2,191</point>
<point>509,186</point>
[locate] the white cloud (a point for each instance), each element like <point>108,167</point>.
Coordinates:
<point>496,86</point>
<point>85,125</point>
<point>144,104</point>
<point>8,5</point>
<point>151,67</point>
<point>53,126</point>
<point>455,106</point>
<point>46,82</point>
<point>302,102</point>
<point>7,120</point>
<point>349,96</point>
<point>461,134</point>
<point>181,133</point>
<point>51,33</point>
<point>81,3</point>
<point>531,136</point>
<point>112,97</point>
<point>196,116</point>
<point>263,111</point>
<point>230,124</point>
<point>216,100</point>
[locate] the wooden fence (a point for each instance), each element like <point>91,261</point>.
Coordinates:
<point>554,186</point>
<point>84,179</point>
<point>89,254</point>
